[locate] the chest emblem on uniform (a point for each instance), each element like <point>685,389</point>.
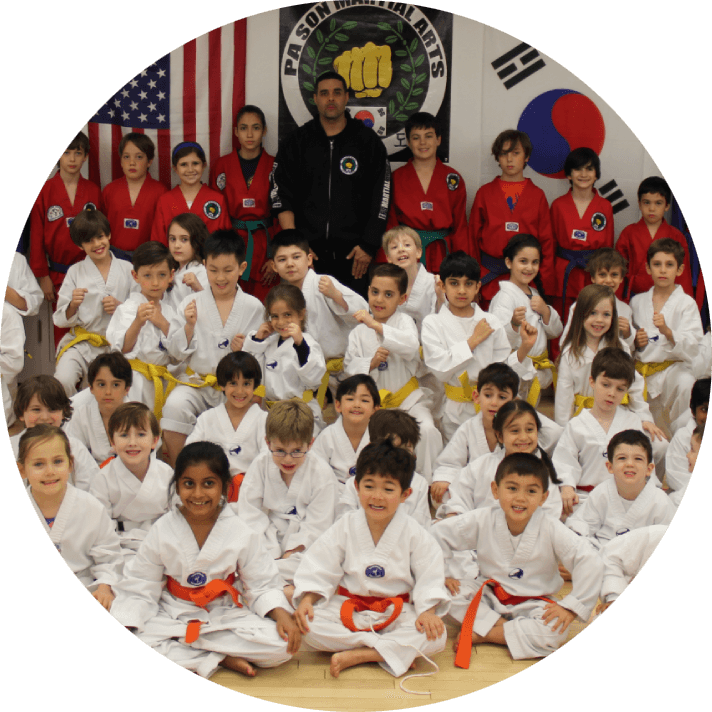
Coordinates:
<point>197,578</point>
<point>352,471</point>
<point>598,221</point>
<point>131,223</point>
<point>453,180</point>
<point>579,235</point>
<point>161,347</point>
<point>248,203</point>
<point>426,205</point>
<point>221,182</point>
<point>348,165</point>
<point>516,574</point>
<point>622,530</point>
<point>212,209</point>
<point>223,344</point>
<point>292,512</point>
<point>375,571</point>
<point>235,450</point>
<point>511,227</point>
<point>383,366</point>
<point>89,206</point>
<point>271,365</point>
<point>54,212</point>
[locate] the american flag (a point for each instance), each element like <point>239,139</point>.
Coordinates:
<point>191,94</point>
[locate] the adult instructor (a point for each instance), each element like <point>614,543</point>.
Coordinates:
<point>332,181</point>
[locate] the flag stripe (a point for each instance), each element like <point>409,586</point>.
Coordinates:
<point>239,44</point>
<point>214,85</point>
<point>189,53</point>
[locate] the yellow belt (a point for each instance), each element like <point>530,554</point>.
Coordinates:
<point>156,374</point>
<point>209,380</point>
<point>79,335</point>
<point>462,393</point>
<point>541,362</point>
<point>333,365</point>
<point>395,400</point>
<point>581,402</point>
<point>650,368</point>
<point>260,391</point>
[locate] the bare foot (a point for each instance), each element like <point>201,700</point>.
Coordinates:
<point>289,593</point>
<point>238,665</point>
<point>349,658</point>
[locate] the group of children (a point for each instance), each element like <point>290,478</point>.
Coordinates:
<point>183,460</point>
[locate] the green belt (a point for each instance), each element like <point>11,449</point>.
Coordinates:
<point>428,236</point>
<point>250,226</point>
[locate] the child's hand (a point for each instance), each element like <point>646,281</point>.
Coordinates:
<point>480,333</point>
<point>562,616</point>
<point>623,327</point>
<point>296,550</point>
<point>661,326</point>
<point>327,288</point>
<point>602,607</point>
<point>104,595</point>
<point>144,312</point>
<point>363,317</point>
<point>268,273</point>
<point>452,585</point>
<point>540,307</point>
<point>238,341</point>
<point>569,499</point>
<point>110,304</point>
<point>381,356</point>
<point>47,287</point>
<point>518,316</point>
<point>190,280</point>
<point>191,313</point>
<point>295,331</point>
<point>430,624</point>
<point>156,316</point>
<point>653,430</point>
<point>287,629</point>
<point>437,490</point>
<point>77,297</point>
<point>641,339</point>
<point>528,334</point>
<point>439,288</point>
<point>303,614</point>
<point>264,331</point>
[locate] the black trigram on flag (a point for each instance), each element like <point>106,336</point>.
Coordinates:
<point>512,73</point>
<point>614,195</point>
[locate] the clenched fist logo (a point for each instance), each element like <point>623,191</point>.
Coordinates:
<point>368,70</point>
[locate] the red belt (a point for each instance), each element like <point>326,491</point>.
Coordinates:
<point>586,488</point>
<point>464,647</point>
<point>378,604</point>
<point>201,596</point>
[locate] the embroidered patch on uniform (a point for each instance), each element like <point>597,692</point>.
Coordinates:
<point>425,205</point>
<point>511,227</point>
<point>212,209</point>
<point>58,547</point>
<point>623,530</point>
<point>654,338</point>
<point>348,165</point>
<point>516,573</point>
<point>271,365</point>
<point>54,212</point>
<point>453,180</point>
<point>69,221</point>
<point>579,235</point>
<point>292,511</point>
<point>197,579</point>
<point>352,471</point>
<point>383,366</point>
<point>223,344</point>
<point>375,571</point>
<point>131,223</point>
<point>598,221</point>
<point>161,347</point>
<point>235,450</point>
<point>221,182</point>
<point>248,202</point>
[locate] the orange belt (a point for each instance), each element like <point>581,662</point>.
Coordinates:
<point>464,647</point>
<point>201,596</point>
<point>233,490</point>
<point>370,603</point>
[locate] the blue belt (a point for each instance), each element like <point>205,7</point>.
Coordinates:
<point>58,267</point>
<point>121,254</point>
<point>576,258</point>
<point>251,226</point>
<point>496,267</point>
<point>428,236</point>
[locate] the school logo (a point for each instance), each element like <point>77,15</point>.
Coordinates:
<point>221,181</point>
<point>292,512</point>
<point>271,365</point>
<point>223,344</point>
<point>54,213</point>
<point>516,573</point>
<point>383,366</point>
<point>197,579</point>
<point>654,338</point>
<point>557,122</point>
<point>511,227</point>
<point>352,471</point>
<point>579,235</point>
<point>348,165</point>
<point>248,202</point>
<point>425,205</point>
<point>453,180</point>
<point>212,210</point>
<point>89,206</point>
<point>58,547</point>
<point>235,450</point>
<point>394,57</point>
<point>161,347</point>
<point>375,571</point>
<point>131,223</point>
<point>598,221</point>
<point>623,530</point>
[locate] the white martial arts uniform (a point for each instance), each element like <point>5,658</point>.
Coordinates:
<point>180,291</point>
<point>422,299</point>
<point>669,390</point>
<point>622,309</point>
<point>12,356</point>
<point>527,565</point>
<point>400,338</point>
<point>87,426</point>
<point>150,346</point>
<point>23,281</point>
<point>333,445</point>
<point>85,466</point>
<point>509,297</point>
<point>85,537</point>
<point>605,514</point>
<point>241,445</point>
<point>288,517</point>
<point>470,442</point>
<point>677,468</point>
<point>624,557</point>
<point>406,560</point>
<point>89,316</point>
<point>702,363</point>
<point>282,375</point>
<point>170,549</point>
<point>210,342</point>
<point>132,504</point>
<point>416,505</point>
<point>447,354</point>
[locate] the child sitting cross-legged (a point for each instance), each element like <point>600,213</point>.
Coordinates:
<point>373,558</point>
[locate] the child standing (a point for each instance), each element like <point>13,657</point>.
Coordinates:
<point>513,600</point>
<point>582,221</point>
<point>242,176</point>
<point>238,424</point>
<point>518,300</point>
<point>461,339</point>
<point>654,197</point>
<point>371,558</point>
<point>186,236</point>
<point>130,201</point>
<point>76,522</point>
<point>428,195</point>
<point>629,499</point>
<point>207,325</point>
<point>508,205</point>
<point>385,345</point>
<point>180,593</point>
<point>289,494</point>
<point>291,359</point>
<point>668,334</point>
<point>133,486</point>
<point>190,195</point>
